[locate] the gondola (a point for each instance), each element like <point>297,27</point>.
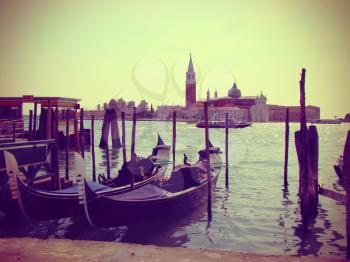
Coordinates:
<point>184,191</point>
<point>39,204</point>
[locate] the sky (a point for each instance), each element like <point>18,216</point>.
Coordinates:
<point>98,50</point>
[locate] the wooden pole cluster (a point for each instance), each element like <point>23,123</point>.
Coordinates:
<point>208,159</point>
<point>226,151</point>
<point>110,121</point>
<point>174,136</point>
<point>346,172</point>
<point>133,141</point>
<point>286,150</point>
<point>308,185</point>
<point>93,148</point>
<point>67,145</point>
<point>123,137</point>
<point>82,133</point>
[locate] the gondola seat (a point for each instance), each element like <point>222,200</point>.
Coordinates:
<point>184,177</point>
<point>74,189</point>
<point>143,193</point>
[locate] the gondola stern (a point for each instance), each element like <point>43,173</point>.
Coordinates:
<point>85,193</point>
<point>14,173</point>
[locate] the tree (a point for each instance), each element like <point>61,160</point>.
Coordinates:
<point>142,108</point>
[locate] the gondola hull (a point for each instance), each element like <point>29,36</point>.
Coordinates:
<point>110,214</point>
<point>40,205</point>
<point>155,204</point>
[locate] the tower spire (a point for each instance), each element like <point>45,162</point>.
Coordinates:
<point>190,84</point>
<point>190,65</point>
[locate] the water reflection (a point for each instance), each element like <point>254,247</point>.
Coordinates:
<point>282,220</point>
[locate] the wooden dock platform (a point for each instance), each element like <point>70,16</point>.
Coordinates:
<point>30,249</point>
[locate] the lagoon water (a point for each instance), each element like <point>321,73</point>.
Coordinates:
<point>253,215</point>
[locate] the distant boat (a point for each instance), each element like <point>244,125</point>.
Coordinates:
<point>326,121</point>
<point>232,123</point>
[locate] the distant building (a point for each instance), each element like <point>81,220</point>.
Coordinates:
<point>248,108</point>
<point>278,113</point>
<point>165,112</point>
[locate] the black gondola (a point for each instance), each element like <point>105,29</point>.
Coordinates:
<point>184,191</point>
<point>39,204</point>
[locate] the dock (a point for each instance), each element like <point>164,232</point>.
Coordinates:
<point>30,249</point>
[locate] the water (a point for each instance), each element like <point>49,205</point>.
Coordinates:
<point>254,215</point>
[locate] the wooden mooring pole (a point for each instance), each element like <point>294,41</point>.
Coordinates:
<point>107,160</point>
<point>123,137</point>
<point>286,150</point>
<point>132,151</point>
<point>55,151</point>
<point>35,120</point>
<point>346,172</point>
<point>48,122</point>
<point>30,126</point>
<point>82,133</point>
<point>174,137</point>
<point>207,159</point>
<point>14,131</point>
<point>115,129</point>
<point>304,155</point>
<point>93,148</point>
<point>105,128</point>
<point>76,133</point>
<point>313,162</point>
<point>67,145</point>
<point>226,151</point>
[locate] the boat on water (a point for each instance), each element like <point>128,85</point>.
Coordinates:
<point>232,123</point>
<point>184,191</point>
<point>338,168</point>
<point>326,121</point>
<point>38,204</point>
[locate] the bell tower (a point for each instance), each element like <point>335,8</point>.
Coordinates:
<point>190,84</point>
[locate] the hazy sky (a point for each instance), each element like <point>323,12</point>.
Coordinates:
<point>96,50</point>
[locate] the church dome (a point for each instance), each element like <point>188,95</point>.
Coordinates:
<point>234,92</point>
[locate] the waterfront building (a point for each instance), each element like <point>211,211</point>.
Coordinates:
<point>278,113</point>
<point>196,113</point>
<point>255,106</point>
